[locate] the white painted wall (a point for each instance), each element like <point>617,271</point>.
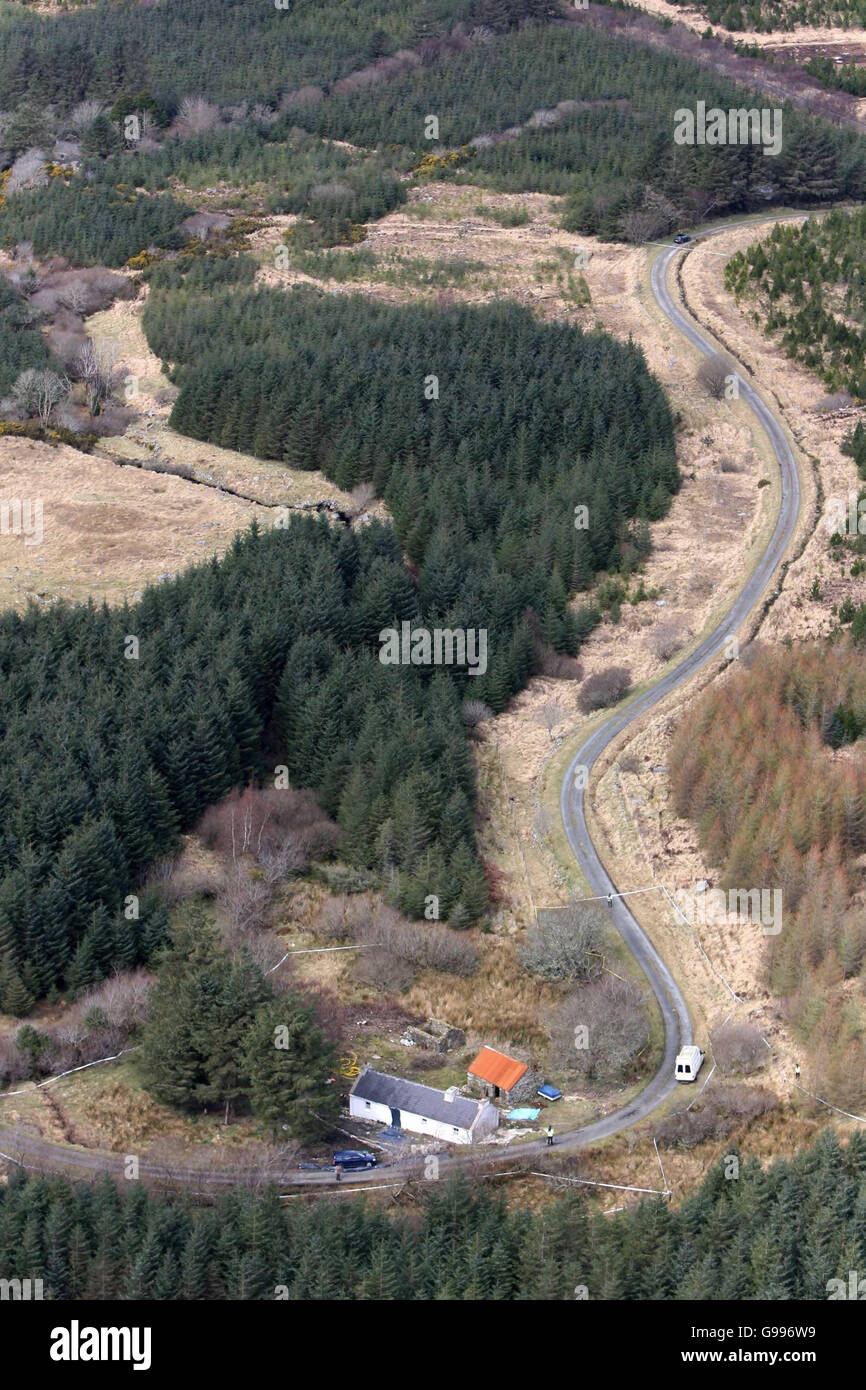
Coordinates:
<point>369,1110</point>
<point>487,1120</point>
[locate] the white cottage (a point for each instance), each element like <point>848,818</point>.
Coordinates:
<point>445,1115</point>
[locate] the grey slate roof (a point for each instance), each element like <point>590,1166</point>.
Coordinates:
<point>415,1099</point>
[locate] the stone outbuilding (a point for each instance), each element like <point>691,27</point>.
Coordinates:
<point>497,1077</point>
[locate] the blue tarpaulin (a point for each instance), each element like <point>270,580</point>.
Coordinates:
<point>523,1112</point>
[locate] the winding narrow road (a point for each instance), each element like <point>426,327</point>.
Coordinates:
<point>677,1024</point>
<point>38,1153</point>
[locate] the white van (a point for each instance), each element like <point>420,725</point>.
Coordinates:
<point>689,1063</point>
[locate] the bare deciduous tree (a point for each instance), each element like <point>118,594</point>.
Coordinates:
<point>551,713</point>
<point>75,296</point>
<point>715,1117</point>
<point>475,712</point>
<point>381,928</point>
<point>613,1024</point>
<point>655,218</point>
<point>37,391</point>
<point>543,119</point>
<point>667,639</point>
<point>141,129</point>
<point>258,822</point>
<point>567,942</point>
<point>95,366</point>
<point>713,374</point>
<point>304,96</point>
<point>557,664</point>
<point>245,900</point>
<point>28,171</point>
<point>84,114</point>
<point>198,115</point>
<point>363,496</point>
<point>385,971</point>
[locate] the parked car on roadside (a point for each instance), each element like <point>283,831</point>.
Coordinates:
<point>350,1159</point>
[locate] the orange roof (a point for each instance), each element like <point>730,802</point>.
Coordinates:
<point>496,1068</point>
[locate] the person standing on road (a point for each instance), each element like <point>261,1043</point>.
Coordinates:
<point>549,1132</point>
<point>338,1172</point>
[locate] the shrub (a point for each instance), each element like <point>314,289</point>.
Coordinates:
<point>384,971</point>
<point>604,688</point>
<point>667,639</point>
<point>426,946</point>
<point>738,1047</point>
<point>506,217</point>
<point>614,1015</point>
<point>566,944</point>
<point>715,1117</point>
<point>282,829</point>
<point>713,373</point>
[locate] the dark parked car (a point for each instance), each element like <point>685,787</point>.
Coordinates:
<point>349,1159</point>
<point>681,238</point>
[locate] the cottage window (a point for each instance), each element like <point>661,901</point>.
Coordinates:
<point>456,1130</point>
<point>367,1104</point>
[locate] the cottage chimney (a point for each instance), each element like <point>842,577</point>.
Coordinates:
<point>452,1093</point>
